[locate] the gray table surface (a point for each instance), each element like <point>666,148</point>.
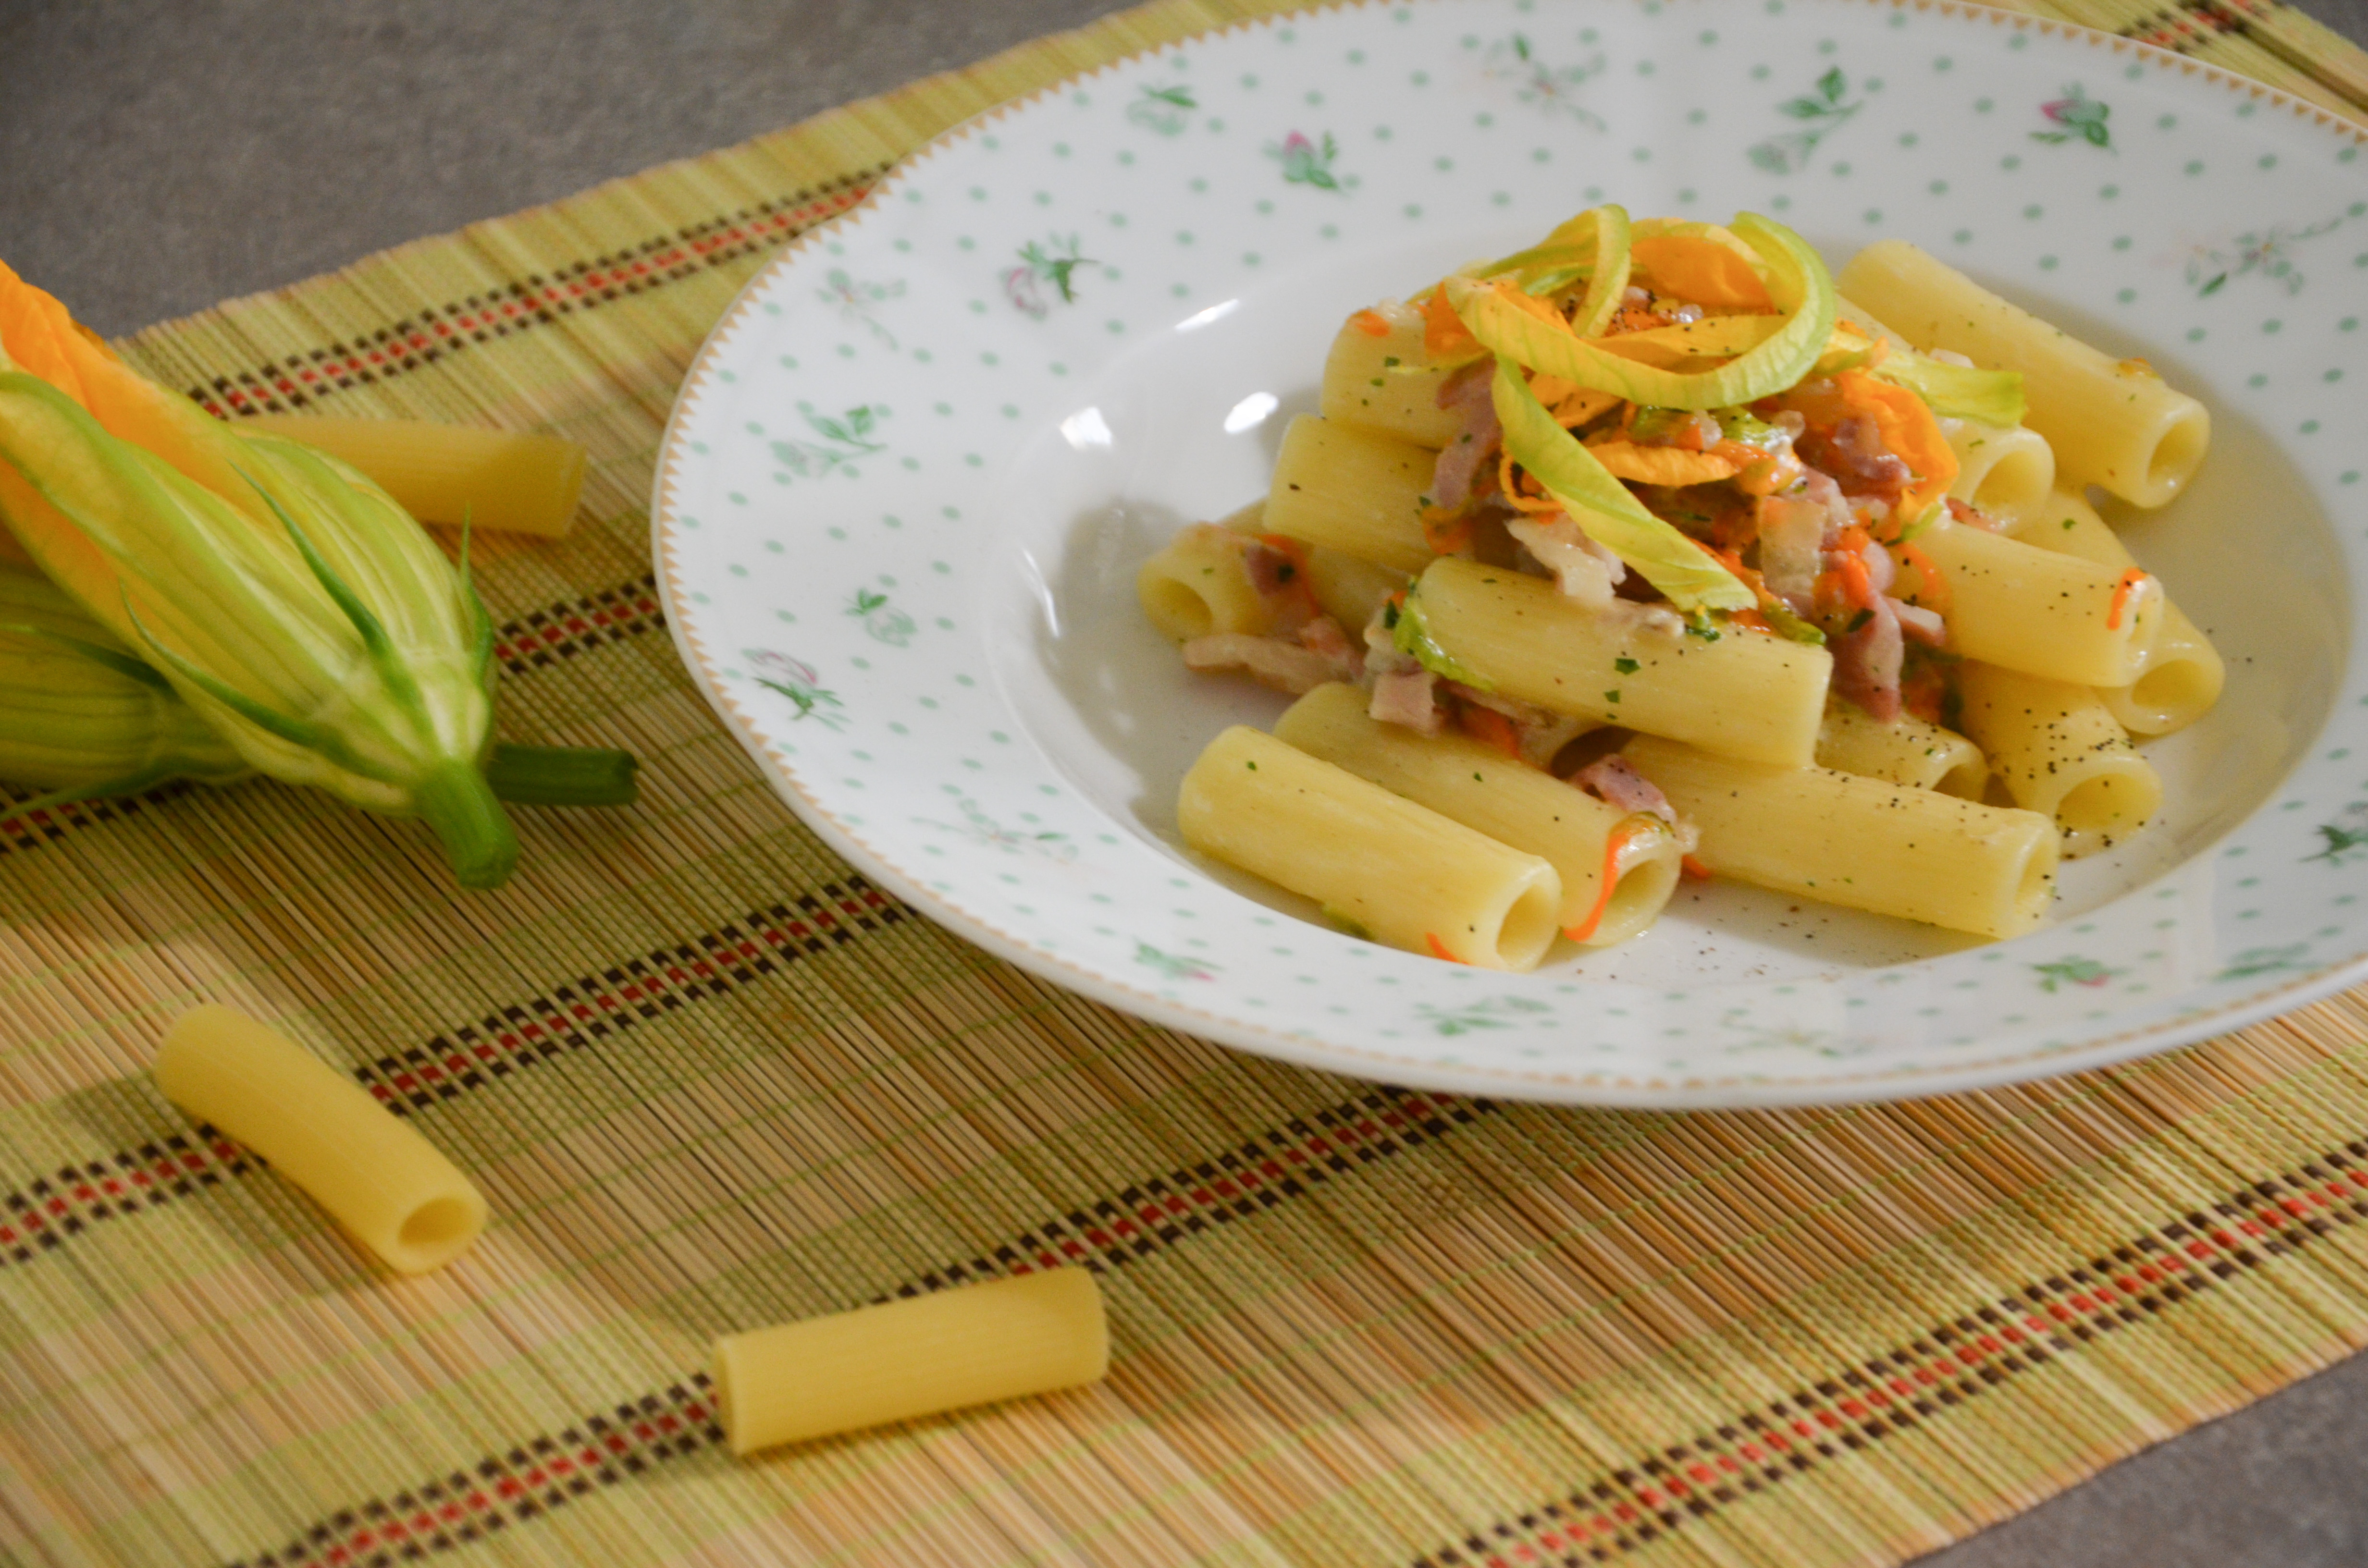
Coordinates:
<point>155,157</point>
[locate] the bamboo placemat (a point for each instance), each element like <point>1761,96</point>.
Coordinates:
<point>710,1079</point>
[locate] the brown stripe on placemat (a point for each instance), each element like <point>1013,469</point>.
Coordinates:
<point>533,641</point>
<point>2187,25</point>
<point>547,636</point>
<point>438,332</point>
<point>549,1471</point>
<point>569,1017</point>
<point>1954,1363</point>
<point>21,829</point>
<point>2286,35</point>
<point>1619,1511</point>
<point>43,1214</point>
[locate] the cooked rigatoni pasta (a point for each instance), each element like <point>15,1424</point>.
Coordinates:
<point>1646,523</point>
<point>1377,376</point>
<point>1752,697</point>
<point>2006,472</point>
<point>1355,491</point>
<point>1378,863</point>
<point>1863,843</point>
<point>1618,867</point>
<point>1904,751</point>
<point>2180,676</point>
<point>2047,614</point>
<point>2059,751</point>
<point>2111,422</point>
<point>1199,585</point>
<point>2002,470</point>
<point>1348,588</point>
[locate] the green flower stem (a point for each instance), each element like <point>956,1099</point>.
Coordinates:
<point>454,799</point>
<point>560,776</point>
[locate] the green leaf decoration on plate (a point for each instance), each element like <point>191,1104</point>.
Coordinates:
<point>1307,162</point>
<point>1822,111</point>
<point>2081,117</point>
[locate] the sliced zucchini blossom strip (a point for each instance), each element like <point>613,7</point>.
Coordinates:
<point>1609,284</point>
<point>1602,506</point>
<point>1564,257</point>
<point>1798,283</point>
<point>1712,338</point>
<point>1957,391</point>
<point>1410,629</point>
<point>332,644</point>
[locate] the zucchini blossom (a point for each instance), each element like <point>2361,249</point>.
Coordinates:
<point>296,607</point>
<point>81,715</point>
<point>83,718</point>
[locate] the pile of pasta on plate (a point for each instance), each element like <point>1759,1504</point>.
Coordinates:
<point>1655,550</point>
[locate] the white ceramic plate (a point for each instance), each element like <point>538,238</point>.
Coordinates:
<point>910,477</point>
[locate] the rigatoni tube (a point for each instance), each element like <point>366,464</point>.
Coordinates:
<point>1745,695</point>
<point>1352,490</point>
<point>1377,377</point>
<point>2006,472</point>
<point>514,481</point>
<point>947,1350</point>
<point>1906,751</point>
<point>1513,803</point>
<point>2025,609</point>
<point>2180,676</point>
<point>1200,583</point>
<point>2111,422</point>
<point>1396,871</point>
<point>2059,751</point>
<point>1863,843</point>
<point>377,1176</point>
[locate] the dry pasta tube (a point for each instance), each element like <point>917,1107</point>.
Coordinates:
<point>1353,491</point>
<point>1584,840</point>
<point>922,1356</point>
<point>1375,378</point>
<point>2025,609</point>
<point>1200,583</point>
<point>1399,872</point>
<point>2006,472</point>
<point>2059,751</point>
<point>374,1174</point>
<point>2113,422</point>
<point>517,481</point>
<point>1745,695</point>
<point>1860,842</point>
<point>2183,675</point>
<point>1906,751</point>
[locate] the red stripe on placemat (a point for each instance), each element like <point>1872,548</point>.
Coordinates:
<point>438,332</point>
<point>552,1470</point>
<point>44,1213</point>
<point>549,636</point>
<point>533,641</point>
<point>1618,1513</point>
<point>2191,23</point>
<point>1865,1405</point>
<point>569,1017</point>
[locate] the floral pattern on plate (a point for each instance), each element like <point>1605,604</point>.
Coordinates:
<point>909,476</point>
